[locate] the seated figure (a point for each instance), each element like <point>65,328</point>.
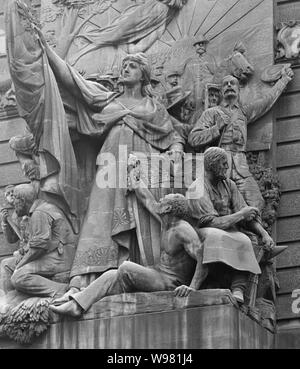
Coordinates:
<point>50,248</point>
<point>223,221</point>
<point>179,268</point>
<point>15,230</point>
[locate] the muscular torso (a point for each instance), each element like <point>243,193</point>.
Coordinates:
<point>174,259</point>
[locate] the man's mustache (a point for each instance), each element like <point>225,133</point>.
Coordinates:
<point>229,90</point>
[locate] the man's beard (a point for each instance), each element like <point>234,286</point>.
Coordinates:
<point>231,94</point>
<point>218,173</point>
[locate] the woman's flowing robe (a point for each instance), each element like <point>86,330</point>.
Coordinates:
<point>108,235</point>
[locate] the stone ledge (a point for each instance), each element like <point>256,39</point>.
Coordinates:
<point>206,319</point>
<point>141,303</point>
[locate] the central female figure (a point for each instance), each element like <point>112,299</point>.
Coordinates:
<point>133,121</point>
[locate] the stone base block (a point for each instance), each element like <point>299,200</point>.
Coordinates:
<point>206,319</point>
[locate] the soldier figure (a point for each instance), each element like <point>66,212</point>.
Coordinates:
<point>226,126</point>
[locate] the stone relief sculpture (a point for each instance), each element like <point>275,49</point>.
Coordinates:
<point>224,211</point>
<point>51,245</point>
<point>137,27</point>
<point>226,125</point>
<point>176,269</point>
<point>142,98</point>
<point>133,120</point>
<point>288,38</point>
<point>200,69</point>
<point>15,229</point>
<point>213,95</point>
<point>7,93</point>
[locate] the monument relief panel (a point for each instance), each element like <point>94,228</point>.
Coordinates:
<point>106,87</point>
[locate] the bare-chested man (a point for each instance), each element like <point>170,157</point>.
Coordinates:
<point>180,266</point>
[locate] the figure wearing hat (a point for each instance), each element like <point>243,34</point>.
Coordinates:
<point>158,87</point>
<point>212,99</point>
<point>26,152</point>
<point>200,70</point>
<point>213,95</point>
<point>173,77</point>
<point>157,81</point>
<point>180,108</point>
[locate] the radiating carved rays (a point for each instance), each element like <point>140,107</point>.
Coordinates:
<point>209,17</point>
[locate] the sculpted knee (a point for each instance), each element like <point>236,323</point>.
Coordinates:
<point>124,268</point>
<point>127,273</point>
<point>20,280</point>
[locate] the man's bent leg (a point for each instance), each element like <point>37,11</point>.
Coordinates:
<point>238,284</point>
<point>36,285</point>
<point>137,278</point>
<point>129,277</point>
<point>33,278</point>
<point>106,285</point>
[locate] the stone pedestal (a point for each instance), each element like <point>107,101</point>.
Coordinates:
<point>205,319</point>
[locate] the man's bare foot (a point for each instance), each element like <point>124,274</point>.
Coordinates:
<point>66,297</point>
<point>69,308</point>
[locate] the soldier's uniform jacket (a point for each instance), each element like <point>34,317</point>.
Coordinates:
<point>233,137</point>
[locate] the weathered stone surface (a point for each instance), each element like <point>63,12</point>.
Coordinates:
<point>206,319</point>
<point>288,339</point>
<point>141,303</point>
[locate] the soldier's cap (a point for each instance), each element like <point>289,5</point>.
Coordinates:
<point>23,144</point>
<point>176,96</point>
<point>213,86</point>
<point>173,72</point>
<point>200,38</point>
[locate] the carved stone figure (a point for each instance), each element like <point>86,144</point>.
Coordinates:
<point>176,269</point>
<point>137,27</point>
<point>26,152</point>
<point>11,227</point>
<point>51,245</point>
<point>288,39</point>
<point>226,126</point>
<point>15,229</point>
<point>200,70</point>
<point>10,222</point>
<point>180,107</point>
<point>213,95</point>
<point>236,64</point>
<point>173,77</point>
<point>223,219</point>
<point>131,122</point>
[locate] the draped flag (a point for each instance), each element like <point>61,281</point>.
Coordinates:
<point>40,104</point>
